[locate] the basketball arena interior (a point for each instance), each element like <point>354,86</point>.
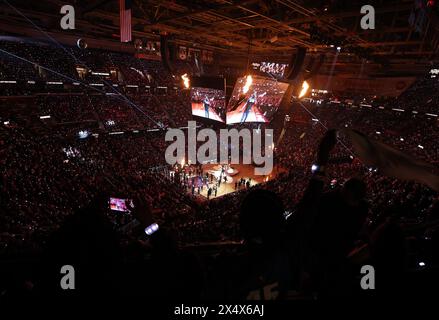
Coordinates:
<point>219,150</point>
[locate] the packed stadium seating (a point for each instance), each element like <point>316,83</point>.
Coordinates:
<point>47,172</point>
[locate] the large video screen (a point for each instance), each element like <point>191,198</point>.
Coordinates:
<point>208,98</point>
<point>255,100</point>
<point>273,69</point>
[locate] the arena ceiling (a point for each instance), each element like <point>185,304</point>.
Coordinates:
<point>262,28</point>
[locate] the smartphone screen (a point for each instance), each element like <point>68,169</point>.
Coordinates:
<point>121,205</point>
<point>314,168</point>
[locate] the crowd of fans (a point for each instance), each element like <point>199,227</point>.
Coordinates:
<point>47,175</point>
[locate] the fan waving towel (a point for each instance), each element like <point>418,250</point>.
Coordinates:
<point>390,161</point>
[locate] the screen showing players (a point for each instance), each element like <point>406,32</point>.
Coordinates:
<point>255,99</point>
<point>208,98</point>
<point>117,204</point>
<point>208,103</point>
<point>273,69</point>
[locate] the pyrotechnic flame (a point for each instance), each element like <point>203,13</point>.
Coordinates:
<point>305,87</point>
<point>248,83</point>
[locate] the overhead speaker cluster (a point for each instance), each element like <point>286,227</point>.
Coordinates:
<point>297,62</point>
<point>167,53</point>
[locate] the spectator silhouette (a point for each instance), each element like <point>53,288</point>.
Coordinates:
<point>260,270</point>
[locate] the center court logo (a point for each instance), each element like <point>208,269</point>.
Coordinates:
<point>229,140</point>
